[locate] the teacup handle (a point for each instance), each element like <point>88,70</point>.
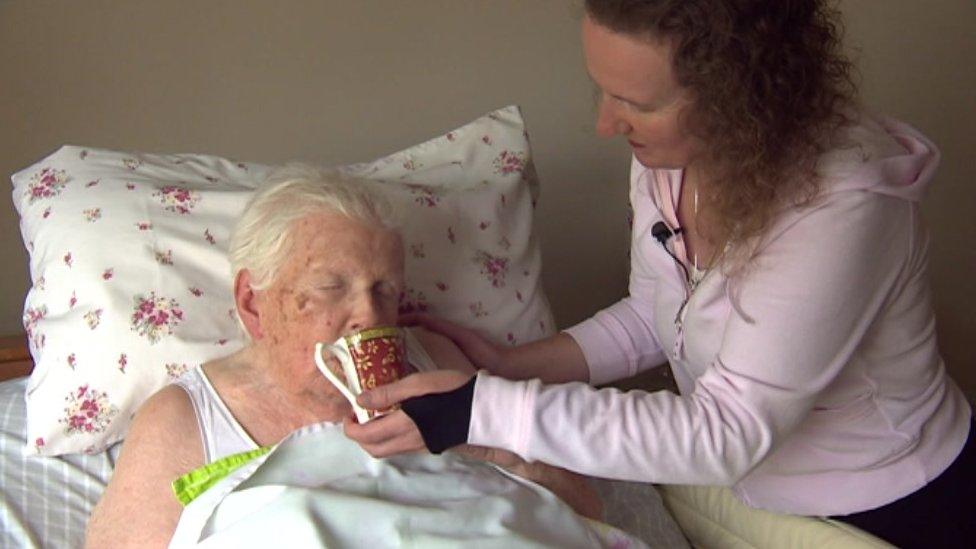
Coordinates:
<point>327,372</point>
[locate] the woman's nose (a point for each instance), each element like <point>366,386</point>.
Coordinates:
<point>608,121</point>
<point>366,314</point>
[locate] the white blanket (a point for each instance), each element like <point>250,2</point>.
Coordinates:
<point>317,488</point>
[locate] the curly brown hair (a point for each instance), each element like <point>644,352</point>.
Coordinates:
<point>770,88</point>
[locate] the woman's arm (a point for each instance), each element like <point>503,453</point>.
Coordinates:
<point>569,487</point>
<point>138,508</point>
<point>556,359</point>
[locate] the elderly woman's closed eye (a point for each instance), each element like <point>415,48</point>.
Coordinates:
<point>315,257</point>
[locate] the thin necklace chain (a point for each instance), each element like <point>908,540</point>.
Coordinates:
<point>695,207</point>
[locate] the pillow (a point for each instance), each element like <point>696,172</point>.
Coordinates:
<point>131,284</point>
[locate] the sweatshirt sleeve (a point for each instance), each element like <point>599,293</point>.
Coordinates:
<point>619,341</point>
<point>798,317</point>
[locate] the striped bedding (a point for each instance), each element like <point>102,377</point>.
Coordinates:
<point>44,502</point>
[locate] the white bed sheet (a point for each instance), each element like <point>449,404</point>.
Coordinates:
<point>46,502</point>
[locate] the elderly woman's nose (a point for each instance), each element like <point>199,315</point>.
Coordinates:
<point>366,313</point>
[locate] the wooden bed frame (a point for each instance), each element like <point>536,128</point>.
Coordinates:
<point>15,358</point>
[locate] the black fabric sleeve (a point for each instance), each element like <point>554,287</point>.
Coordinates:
<point>442,418</point>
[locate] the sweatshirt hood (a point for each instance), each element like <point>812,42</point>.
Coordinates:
<point>881,155</point>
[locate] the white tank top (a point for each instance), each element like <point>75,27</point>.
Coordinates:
<point>220,431</point>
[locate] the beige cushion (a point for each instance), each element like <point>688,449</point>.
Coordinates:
<point>713,517</point>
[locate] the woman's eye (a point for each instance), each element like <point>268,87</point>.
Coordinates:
<point>331,287</point>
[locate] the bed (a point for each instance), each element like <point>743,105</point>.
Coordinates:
<point>129,289</point>
<point>46,502</point>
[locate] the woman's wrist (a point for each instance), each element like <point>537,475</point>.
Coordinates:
<point>442,418</point>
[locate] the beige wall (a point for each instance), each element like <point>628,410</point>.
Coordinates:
<point>340,81</point>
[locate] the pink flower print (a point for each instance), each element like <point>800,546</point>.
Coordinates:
<point>72,301</point>
<point>83,154</point>
<point>88,411</point>
<point>412,301</point>
<point>509,162</point>
<point>130,186</point>
<point>155,317</point>
<point>417,251</point>
<point>477,309</point>
<point>177,199</point>
<point>93,318</point>
<point>40,283</point>
<point>144,225</point>
<point>510,337</point>
<point>232,313</point>
<point>518,296</point>
<point>484,225</point>
<point>164,258</point>
<point>32,316</point>
<point>493,267</point>
<point>242,166</point>
<point>91,184</point>
<point>221,342</point>
<point>441,286</point>
<point>72,361</point>
<point>424,195</point>
<point>93,214</point>
<point>67,259</point>
<point>450,234</point>
<point>504,243</point>
<point>47,213</point>
<point>486,140</point>
<point>123,362</point>
<point>47,183</point>
<point>38,444</point>
<point>197,292</point>
<point>131,163</point>
<point>450,136</point>
<point>174,370</point>
<point>107,274</point>
<point>209,237</point>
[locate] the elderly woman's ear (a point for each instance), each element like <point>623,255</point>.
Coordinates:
<point>246,301</point>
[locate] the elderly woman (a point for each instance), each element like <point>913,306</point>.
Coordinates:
<point>314,258</point>
<point>778,264</point>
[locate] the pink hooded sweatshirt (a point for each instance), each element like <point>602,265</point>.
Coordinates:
<point>812,384</point>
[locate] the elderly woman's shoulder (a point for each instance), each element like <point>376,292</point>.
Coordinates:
<point>168,409</point>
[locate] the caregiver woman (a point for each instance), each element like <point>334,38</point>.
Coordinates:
<point>778,264</point>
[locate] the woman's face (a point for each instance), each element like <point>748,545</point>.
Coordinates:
<point>342,276</point>
<point>639,97</point>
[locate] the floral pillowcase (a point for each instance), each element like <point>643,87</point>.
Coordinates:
<point>131,285</point>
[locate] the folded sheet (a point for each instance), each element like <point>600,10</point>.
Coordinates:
<point>317,488</point>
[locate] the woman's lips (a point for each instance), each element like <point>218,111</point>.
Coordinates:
<point>635,145</point>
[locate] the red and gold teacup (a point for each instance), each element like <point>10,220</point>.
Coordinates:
<point>368,359</point>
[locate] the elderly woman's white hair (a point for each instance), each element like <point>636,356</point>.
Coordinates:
<point>261,239</point>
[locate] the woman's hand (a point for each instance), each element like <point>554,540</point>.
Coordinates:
<point>395,433</point>
<point>555,359</point>
<point>482,353</point>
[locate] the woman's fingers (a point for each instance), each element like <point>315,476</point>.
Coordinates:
<point>385,436</point>
<point>385,396</point>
